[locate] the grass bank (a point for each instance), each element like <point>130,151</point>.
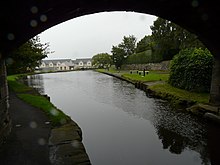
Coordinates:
<point>162,90</point>
<point>30,96</point>
<point>165,90</point>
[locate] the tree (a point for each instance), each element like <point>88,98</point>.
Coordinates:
<point>27,57</point>
<point>128,44</point>
<point>102,60</point>
<point>144,44</point>
<point>118,56</point>
<point>170,38</point>
<point>123,50</point>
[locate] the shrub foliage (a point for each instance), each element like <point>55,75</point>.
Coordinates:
<point>139,58</point>
<point>191,69</point>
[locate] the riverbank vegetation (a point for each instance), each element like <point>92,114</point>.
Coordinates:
<point>149,76</point>
<point>165,89</point>
<point>160,88</point>
<point>32,97</point>
<point>188,77</point>
<point>27,57</point>
<point>191,69</point>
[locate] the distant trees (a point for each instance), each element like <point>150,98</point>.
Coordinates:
<point>144,44</point>
<point>170,38</point>
<point>123,50</point>
<point>102,60</point>
<point>118,56</point>
<point>27,57</point>
<point>167,40</point>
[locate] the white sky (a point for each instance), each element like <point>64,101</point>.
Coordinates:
<point>89,35</point>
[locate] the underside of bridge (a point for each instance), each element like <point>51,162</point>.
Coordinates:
<point>22,20</point>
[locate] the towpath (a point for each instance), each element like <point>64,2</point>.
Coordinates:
<point>28,141</point>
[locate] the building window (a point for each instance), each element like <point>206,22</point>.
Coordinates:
<point>51,65</point>
<point>43,65</point>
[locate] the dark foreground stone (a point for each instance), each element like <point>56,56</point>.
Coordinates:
<point>66,147</point>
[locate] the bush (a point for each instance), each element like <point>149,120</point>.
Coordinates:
<point>191,69</point>
<point>139,58</point>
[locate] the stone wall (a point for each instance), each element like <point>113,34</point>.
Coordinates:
<point>5,122</point>
<point>164,66</point>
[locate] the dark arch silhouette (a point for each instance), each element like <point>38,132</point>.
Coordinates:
<point>21,20</point>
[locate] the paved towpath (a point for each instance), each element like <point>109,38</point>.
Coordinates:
<point>28,141</point>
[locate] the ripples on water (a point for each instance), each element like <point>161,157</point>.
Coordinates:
<point>109,109</point>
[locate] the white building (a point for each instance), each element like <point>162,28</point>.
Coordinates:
<point>65,64</point>
<point>56,65</point>
<point>83,63</point>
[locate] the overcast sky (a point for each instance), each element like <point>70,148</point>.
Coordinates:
<point>85,36</point>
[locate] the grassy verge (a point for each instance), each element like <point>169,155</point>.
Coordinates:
<point>27,94</point>
<point>166,89</point>
<point>152,76</point>
<point>163,90</point>
<point>15,85</point>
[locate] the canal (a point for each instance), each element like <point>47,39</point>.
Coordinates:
<point>121,125</point>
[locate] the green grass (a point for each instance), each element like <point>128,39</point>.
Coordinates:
<point>180,93</point>
<point>56,116</point>
<point>15,85</point>
<point>25,93</point>
<point>163,89</point>
<point>152,76</point>
<point>111,70</point>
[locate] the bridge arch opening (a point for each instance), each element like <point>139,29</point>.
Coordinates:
<point>96,33</point>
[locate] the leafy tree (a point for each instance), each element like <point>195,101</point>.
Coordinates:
<point>144,44</point>
<point>128,44</point>
<point>27,57</point>
<point>102,60</point>
<point>191,69</point>
<point>170,38</point>
<point>118,56</point>
<point>143,57</point>
<point>123,50</point>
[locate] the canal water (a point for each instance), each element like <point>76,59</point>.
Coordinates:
<point>121,125</point>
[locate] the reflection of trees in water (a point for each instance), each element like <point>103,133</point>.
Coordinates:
<point>36,81</point>
<point>171,140</point>
<point>179,131</point>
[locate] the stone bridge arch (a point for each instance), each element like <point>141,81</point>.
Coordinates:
<point>22,20</point>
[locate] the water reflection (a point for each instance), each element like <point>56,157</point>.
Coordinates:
<point>36,81</point>
<point>179,133</point>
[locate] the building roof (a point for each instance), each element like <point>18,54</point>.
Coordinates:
<point>56,60</point>
<point>84,60</point>
<point>67,61</point>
